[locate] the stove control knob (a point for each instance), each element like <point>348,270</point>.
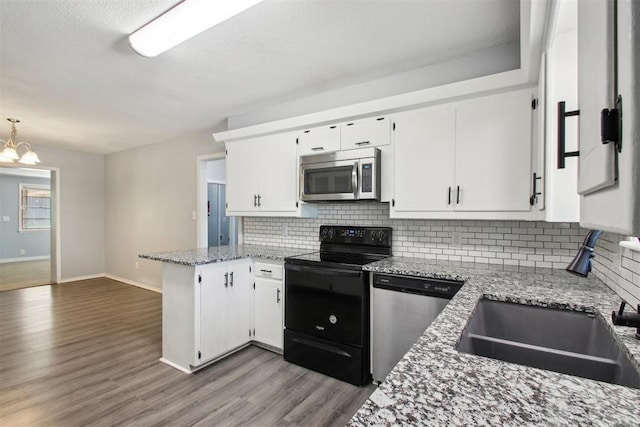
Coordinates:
<point>382,235</point>
<point>328,234</point>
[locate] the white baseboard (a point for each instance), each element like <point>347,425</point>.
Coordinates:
<point>78,278</point>
<point>132,282</point>
<point>21,259</point>
<point>178,367</point>
<point>112,277</point>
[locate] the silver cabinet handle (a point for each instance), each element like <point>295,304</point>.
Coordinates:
<point>317,148</point>
<point>458,196</point>
<point>278,297</point>
<point>258,200</point>
<point>231,281</point>
<point>354,179</point>
<point>266,271</point>
<point>363,143</point>
<point>255,200</point>
<point>226,280</point>
<point>449,197</point>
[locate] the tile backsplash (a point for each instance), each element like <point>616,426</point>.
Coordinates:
<point>618,267</point>
<point>521,243</point>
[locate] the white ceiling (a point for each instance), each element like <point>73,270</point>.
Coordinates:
<point>67,72</point>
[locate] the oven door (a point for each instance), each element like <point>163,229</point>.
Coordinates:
<point>336,180</point>
<point>326,302</point>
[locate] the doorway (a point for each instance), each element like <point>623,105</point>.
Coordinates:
<point>218,222</point>
<point>26,228</point>
<point>215,228</point>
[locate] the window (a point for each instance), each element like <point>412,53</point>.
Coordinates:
<point>35,207</point>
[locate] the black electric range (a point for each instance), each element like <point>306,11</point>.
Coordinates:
<point>327,302</point>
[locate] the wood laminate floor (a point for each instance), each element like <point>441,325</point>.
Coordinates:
<point>17,275</point>
<point>86,353</point>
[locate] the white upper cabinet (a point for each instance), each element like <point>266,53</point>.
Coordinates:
<point>242,186</point>
<point>371,132</point>
<point>493,153</point>
<point>424,158</point>
<point>470,159</point>
<point>559,81</point>
<point>262,177</point>
<point>596,85</point>
<point>318,140</point>
<point>615,208</point>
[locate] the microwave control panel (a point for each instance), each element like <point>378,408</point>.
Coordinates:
<point>367,177</point>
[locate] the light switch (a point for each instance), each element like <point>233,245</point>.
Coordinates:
<point>194,215</point>
<point>5,219</point>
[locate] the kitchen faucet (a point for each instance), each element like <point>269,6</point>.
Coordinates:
<point>630,319</point>
<point>581,264</point>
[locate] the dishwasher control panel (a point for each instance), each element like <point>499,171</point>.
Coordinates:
<point>443,288</point>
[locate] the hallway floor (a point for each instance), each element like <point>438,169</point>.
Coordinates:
<point>17,275</point>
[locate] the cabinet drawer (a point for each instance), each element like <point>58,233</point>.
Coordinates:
<point>318,140</point>
<point>365,133</point>
<point>272,271</point>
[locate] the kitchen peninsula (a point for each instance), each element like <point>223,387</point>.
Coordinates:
<point>436,384</point>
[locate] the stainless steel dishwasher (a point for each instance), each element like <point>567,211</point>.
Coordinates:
<point>402,308</point>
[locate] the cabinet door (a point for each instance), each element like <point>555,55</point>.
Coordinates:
<point>424,150</point>
<point>493,153</point>
<point>239,305</point>
<point>278,172</point>
<point>370,132</point>
<point>596,61</point>
<point>321,139</point>
<point>268,312</point>
<point>212,314</point>
<point>241,163</point>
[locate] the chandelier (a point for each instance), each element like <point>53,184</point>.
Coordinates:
<point>9,152</point>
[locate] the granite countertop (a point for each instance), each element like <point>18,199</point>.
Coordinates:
<point>201,256</point>
<point>434,384</point>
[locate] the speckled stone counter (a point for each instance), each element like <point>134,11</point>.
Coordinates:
<point>434,384</point>
<point>223,253</point>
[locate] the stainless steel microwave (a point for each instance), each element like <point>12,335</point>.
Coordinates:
<point>343,175</point>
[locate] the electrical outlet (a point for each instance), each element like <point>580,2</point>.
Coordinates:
<point>137,265</point>
<point>194,215</point>
<point>22,251</point>
<point>6,219</point>
<point>456,238</point>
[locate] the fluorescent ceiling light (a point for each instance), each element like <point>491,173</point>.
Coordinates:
<point>185,20</point>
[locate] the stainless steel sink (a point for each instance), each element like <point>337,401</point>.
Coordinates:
<point>557,340</point>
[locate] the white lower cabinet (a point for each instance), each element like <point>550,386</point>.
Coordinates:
<point>223,315</point>
<point>268,312</point>
<point>211,310</point>
<point>268,304</point>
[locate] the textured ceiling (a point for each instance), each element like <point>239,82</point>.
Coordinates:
<point>67,72</point>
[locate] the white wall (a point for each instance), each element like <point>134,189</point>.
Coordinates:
<point>82,209</point>
<point>151,194</point>
<point>216,171</point>
<point>484,63</point>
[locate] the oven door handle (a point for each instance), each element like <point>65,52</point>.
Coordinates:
<point>329,271</point>
<point>354,178</point>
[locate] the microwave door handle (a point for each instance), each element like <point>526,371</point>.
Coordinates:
<point>354,179</point>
